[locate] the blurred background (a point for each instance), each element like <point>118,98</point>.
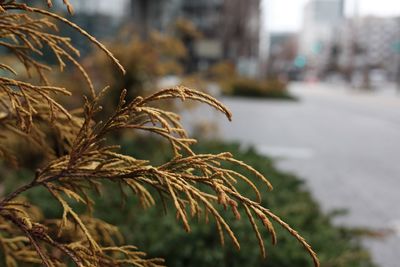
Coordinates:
<point>353,41</point>
<point>314,86</point>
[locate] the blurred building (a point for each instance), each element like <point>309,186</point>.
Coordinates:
<point>370,49</point>
<point>241,28</point>
<point>207,16</point>
<point>283,52</point>
<point>115,8</point>
<point>321,21</point>
<point>150,15</point>
<point>230,28</point>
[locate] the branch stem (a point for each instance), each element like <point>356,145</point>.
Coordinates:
<point>17,193</point>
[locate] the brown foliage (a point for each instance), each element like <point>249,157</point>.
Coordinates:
<point>195,184</point>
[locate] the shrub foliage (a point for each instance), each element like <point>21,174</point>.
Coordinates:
<point>232,84</point>
<point>159,234</point>
<point>75,159</point>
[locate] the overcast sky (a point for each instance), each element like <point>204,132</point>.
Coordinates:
<point>286,15</point>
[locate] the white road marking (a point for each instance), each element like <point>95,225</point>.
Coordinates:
<point>286,152</point>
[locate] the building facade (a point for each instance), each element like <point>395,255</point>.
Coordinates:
<point>115,8</point>
<point>230,28</point>
<point>321,22</point>
<point>370,45</point>
<point>242,29</point>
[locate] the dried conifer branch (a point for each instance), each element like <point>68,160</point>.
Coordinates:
<point>14,5</point>
<point>197,185</point>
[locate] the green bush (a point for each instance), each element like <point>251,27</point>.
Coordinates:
<point>254,88</point>
<point>336,247</point>
<point>158,233</point>
<point>232,84</point>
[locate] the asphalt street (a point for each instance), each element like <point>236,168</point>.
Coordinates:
<point>344,143</point>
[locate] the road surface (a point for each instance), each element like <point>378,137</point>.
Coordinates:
<point>345,144</point>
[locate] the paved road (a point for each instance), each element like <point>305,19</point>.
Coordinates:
<point>346,145</point>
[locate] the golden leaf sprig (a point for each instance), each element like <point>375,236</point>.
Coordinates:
<point>196,184</point>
